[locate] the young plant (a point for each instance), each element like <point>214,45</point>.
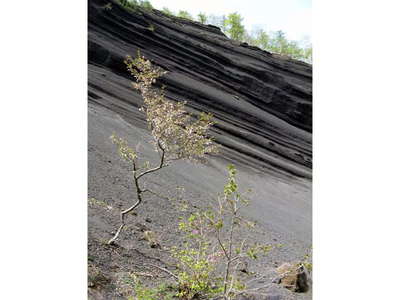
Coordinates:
<point>234,26</point>
<point>196,260</point>
<point>202,18</point>
<point>209,261</point>
<point>167,11</point>
<point>184,14</point>
<point>133,5</point>
<point>146,5</point>
<point>177,135</point>
<point>161,292</point>
<point>129,4</point>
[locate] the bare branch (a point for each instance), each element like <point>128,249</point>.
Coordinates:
<point>222,245</point>
<point>160,166</point>
<point>128,210</point>
<point>165,270</point>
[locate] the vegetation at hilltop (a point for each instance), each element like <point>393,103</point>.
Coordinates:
<point>232,26</point>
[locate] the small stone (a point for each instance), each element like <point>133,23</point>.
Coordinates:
<point>303,280</point>
<point>294,277</point>
<point>142,227</point>
<point>155,245</point>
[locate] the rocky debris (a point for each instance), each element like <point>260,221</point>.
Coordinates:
<point>152,239</point>
<point>148,235</point>
<point>96,277</point>
<point>294,277</point>
<point>142,227</point>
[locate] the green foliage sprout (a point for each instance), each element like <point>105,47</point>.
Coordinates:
<point>234,26</point>
<point>231,25</point>
<point>185,15</point>
<point>209,260</point>
<point>202,18</point>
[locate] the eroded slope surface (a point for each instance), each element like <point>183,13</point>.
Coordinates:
<point>262,104</point>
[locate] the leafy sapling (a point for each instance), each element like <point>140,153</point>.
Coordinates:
<point>177,135</point>
<point>210,259</point>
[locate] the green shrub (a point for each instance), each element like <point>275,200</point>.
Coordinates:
<point>161,292</point>
<point>209,260</point>
<point>202,18</point>
<point>184,14</point>
<point>234,26</point>
<point>146,5</point>
<point>168,12</point>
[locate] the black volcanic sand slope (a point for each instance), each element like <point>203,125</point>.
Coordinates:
<point>263,107</point>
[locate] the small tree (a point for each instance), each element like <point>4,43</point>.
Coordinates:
<point>308,54</point>
<point>234,26</point>
<point>262,39</point>
<point>130,4</point>
<point>145,4</point>
<point>249,39</point>
<point>167,11</point>
<point>184,14</point>
<point>222,23</point>
<point>214,252</point>
<point>202,18</point>
<point>279,43</point>
<point>176,134</point>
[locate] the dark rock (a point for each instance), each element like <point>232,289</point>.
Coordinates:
<point>155,245</point>
<point>294,277</point>
<point>303,280</point>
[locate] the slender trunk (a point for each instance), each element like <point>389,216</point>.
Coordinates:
<point>228,263</point>
<point>126,211</point>
<point>139,191</point>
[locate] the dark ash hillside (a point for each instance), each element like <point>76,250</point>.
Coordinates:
<point>263,103</point>
<point>263,107</point>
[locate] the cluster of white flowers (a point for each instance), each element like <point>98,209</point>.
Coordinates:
<point>176,131</point>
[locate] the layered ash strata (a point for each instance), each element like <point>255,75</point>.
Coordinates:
<point>262,102</point>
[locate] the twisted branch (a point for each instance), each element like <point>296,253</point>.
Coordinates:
<point>139,192</point>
